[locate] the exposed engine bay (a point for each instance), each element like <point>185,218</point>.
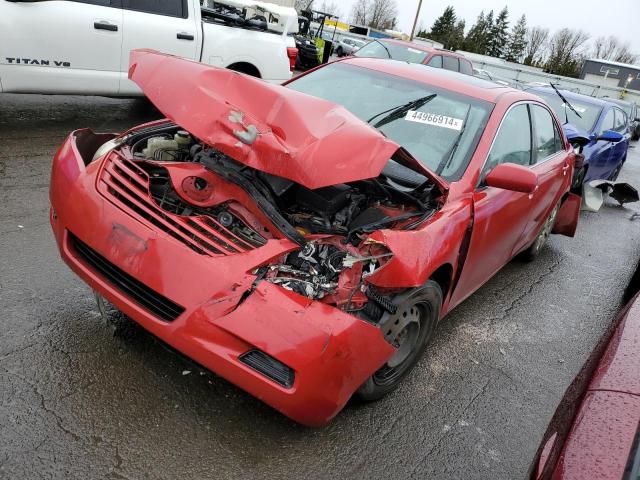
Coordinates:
<point>330,224</point>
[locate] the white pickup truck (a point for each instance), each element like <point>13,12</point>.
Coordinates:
<point>82,46</point>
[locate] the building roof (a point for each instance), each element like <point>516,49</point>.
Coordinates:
<point>614,64</point>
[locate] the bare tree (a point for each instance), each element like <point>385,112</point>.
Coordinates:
<point>566,52</point>
<point>611,48</point>
<point>360,12</point>
<point>331,8</point>
<point>379,14</point>
<point>301,5</point>
<point>383,14</point>
<point>536,39</point>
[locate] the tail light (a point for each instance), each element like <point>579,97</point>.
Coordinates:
<point>292,53</point>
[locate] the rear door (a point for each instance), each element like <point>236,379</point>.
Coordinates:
<point>168,26</point>
<point>621,125</point>
<point>60,46</point>
<point>552,164</point>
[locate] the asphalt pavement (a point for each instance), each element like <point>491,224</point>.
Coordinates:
<point>80,400</point>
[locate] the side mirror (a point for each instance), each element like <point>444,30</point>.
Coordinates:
<point>510,176</point>
<point>611,136</point>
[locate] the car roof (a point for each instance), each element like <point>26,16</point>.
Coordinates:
<point>599,102</point>
<point>622,103</point>
<point>420,46</point>
<point>441,78</point>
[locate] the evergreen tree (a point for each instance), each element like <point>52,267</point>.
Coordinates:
<point>489,23</point>
<point>444,26</point>
<point>517,41</point>
<point>456,40</point>
<point>498,40</point>
<point>476,39</point>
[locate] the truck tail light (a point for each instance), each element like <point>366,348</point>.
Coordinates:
<point>292,53</point>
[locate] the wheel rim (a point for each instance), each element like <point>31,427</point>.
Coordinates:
<point>407,327</point>
<point>546,229</point>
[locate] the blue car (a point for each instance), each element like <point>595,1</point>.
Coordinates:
<point>602,127</point>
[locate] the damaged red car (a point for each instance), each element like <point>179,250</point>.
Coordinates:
<point>303,241</point>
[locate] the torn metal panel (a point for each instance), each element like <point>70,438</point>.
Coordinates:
<point>594,191</point>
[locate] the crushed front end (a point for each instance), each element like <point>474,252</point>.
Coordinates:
<point>268,283</point>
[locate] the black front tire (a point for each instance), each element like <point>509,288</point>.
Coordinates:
<point>339,52</point>
<point>410,329</point>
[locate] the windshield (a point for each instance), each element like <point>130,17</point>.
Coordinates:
<point>429,132</point>
<point>403,53</point>
<point>589,112</point>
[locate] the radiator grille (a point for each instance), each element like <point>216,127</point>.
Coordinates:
<point>127,185</point>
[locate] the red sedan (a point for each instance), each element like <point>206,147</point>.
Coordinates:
<point>304,241</point>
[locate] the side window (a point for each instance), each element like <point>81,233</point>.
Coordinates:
<point>545,133</point>
<point>620,121</point>
<point>451,63</point>
<point>513,141</point>
<point>465,67</point>
<point>435,61</point>
<point>169,8</point>
<point>608,122</point>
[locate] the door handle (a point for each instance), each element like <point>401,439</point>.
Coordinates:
<point>185,36</point>
<point>105,26</point>
<point>565,169</point>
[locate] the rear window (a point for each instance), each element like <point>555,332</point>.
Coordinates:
<point>465,67</point>
<point>381,49</point>
<point>170,8</point>
<point>450,63</point>
<point>436,61</point>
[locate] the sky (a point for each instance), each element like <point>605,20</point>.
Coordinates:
<point>613,17</point>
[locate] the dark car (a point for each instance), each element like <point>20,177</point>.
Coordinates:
<point>416,53</point>
<point>603,123</point>
<point>633,115</point>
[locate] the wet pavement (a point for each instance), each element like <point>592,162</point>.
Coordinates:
<point>80,400</point>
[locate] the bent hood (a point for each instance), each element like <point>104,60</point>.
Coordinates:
<point>268,127</point>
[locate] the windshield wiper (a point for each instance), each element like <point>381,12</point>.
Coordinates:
<point>566,104</point>
<point>401,110</point>
<point>447,160</point>
<point>383,46</point>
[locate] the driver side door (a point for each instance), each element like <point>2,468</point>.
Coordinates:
<point>500,216</point>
